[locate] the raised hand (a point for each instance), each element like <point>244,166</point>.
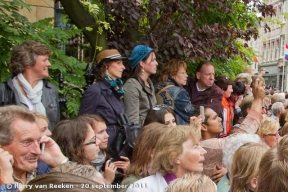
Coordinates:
<point>6,169</point>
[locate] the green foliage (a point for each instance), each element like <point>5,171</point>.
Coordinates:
<point>193,31</point>
<point>15,28</point>
<point>96,9</point>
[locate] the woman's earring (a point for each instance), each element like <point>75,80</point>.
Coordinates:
<point>142,71</point>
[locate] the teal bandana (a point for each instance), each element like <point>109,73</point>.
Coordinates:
<point>117,85</point>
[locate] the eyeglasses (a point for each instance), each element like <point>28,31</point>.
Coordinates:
<point>93,141</point>
<point>271,134</point>
<point>158,107</point>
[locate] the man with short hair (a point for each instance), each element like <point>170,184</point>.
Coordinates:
<point>20,140</point>
<point>202,90</point>
<point>277,109</point>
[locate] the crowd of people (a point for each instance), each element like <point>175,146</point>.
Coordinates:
<point>238,143</point>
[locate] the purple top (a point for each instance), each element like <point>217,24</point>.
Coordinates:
<point>169,177</point>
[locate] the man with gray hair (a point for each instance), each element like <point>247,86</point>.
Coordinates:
<point>277,108</point>
<point>20,140</point>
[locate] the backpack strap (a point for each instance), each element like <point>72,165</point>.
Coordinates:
<point>160,97</point>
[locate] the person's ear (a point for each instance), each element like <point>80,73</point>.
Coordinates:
<point>204,127</point>
<point>253,184</point>
<point>178,162</point>
<point>141,63</point>
<point>198,75</point>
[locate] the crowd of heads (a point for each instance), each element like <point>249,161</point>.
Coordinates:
<point>251,159</point>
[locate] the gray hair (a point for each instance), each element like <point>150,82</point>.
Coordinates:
<point>233,143</point>
<point>284,101</point>
<point>8,115</point>
<point>244,77</point>
<point>26,54</point>
<point>277,108</point>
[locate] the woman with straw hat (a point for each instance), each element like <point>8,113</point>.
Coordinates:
<point>104,98</point>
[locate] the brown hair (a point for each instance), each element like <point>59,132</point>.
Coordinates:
<point>284,129</point>
<point>70,135</point>
<point>222,81</point>
<point>144,146</point>
<point>171,68</point>
<point>138,68</point>
<point>169,147</point>
<point>273,169</point>
<point>158,115</point>
<point>26,54</point>
<point>93,117</point>
<point>245,104</point>
<point>8,115</point>
<point>101,67</point>
<point>283,118</point>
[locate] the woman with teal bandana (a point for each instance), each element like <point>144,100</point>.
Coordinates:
<point>105,97</point>
<point>139,91</point>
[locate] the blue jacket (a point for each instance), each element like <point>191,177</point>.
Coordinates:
<point>98,99</point>
<point>177,98</point>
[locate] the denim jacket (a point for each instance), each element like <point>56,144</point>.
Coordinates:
<point>177,98</point>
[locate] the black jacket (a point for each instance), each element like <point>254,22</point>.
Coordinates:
<point>8,96</point>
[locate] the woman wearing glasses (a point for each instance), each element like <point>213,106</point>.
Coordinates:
<point>78,142</point>
<point>169,90</point>
<point>268,131</point>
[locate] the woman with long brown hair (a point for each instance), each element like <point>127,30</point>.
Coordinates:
<point>142,153</point>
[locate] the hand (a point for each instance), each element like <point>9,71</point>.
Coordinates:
<point>196,121</point>
<point>109,173</point>
<point>258,89</point>
<point>239,101</point>
<point>124,165</point>
<point>52,155</point>
<point>218,174</point>
<point>6,169</point>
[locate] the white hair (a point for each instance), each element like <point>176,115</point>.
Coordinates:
<point>233,143</point>
<point>277,108</point>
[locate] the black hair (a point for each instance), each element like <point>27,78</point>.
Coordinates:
<point>239,88</point>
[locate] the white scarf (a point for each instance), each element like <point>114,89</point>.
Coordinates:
<point>33,94</point>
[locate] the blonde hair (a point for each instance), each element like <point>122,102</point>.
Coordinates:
<point>267,126</point>
<point>245,166</point>
<point>171,68</point>
<point>245,104</point>
<point>87,171</point>
<point>192,182</point>
<point>169,147</point>
<point>245,78</point>
<point>273,169</point>
<point>40,116</point>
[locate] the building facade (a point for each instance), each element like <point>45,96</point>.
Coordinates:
<point>40,9</point>
<point>270,47</point>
